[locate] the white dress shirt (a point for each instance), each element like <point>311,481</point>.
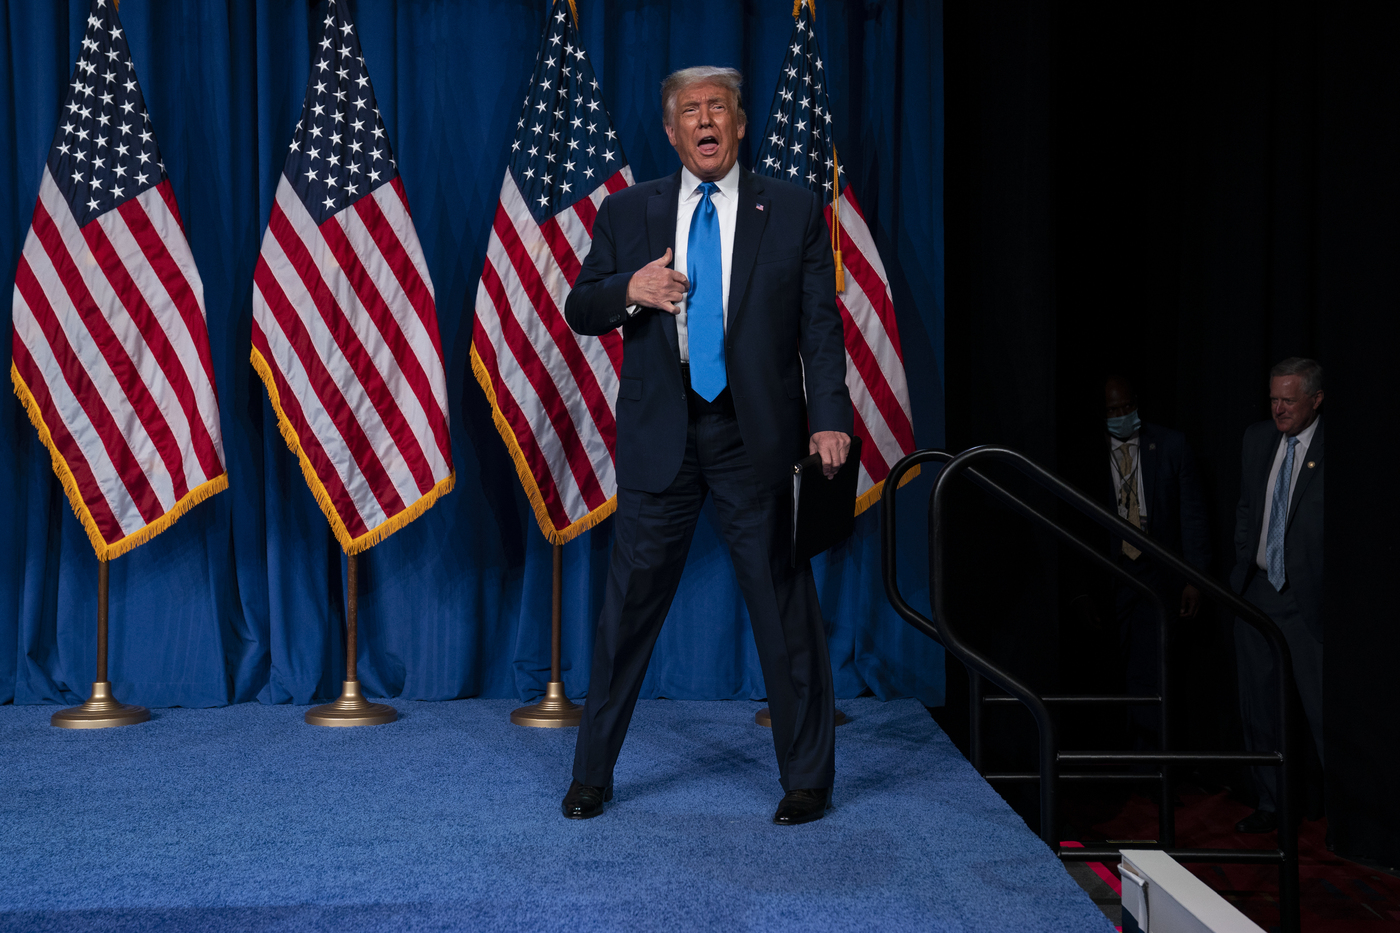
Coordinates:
<point>1300,456</point>
<point>726,202</point>
<point>1115,462</point>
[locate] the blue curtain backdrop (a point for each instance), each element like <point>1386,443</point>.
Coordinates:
<point>243,598</point>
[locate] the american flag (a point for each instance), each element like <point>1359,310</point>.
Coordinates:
<point>552,391</point>
<point>345,333</point>
<point>798,146</point>
<point>110,348</point>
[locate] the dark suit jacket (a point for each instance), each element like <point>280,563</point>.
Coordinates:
<point>783,324</point>
<point>1176,514</point>
<point>1302,542</point>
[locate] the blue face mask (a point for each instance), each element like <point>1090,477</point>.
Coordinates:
<point>1124,426</point>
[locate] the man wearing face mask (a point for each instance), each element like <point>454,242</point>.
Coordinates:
<point>1153,486</point>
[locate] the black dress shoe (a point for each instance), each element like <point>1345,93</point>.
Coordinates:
<point>583,801</point>
<point>803,806</point>
<point>1260,821</point>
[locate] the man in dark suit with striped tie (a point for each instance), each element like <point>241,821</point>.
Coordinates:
<point>733,369</point>
<point>1278,565</point>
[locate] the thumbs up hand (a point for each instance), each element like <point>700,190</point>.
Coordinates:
<point>656,286</point>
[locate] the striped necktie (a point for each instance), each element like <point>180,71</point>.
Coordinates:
<point>1128,496</point>
<point>1278,520</point>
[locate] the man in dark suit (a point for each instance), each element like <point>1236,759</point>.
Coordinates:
<point>1278,565</point>
<point>1153,484</point>
<point>723,285</point>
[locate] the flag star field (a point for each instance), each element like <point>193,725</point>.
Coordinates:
<point>797,144</point>
<point>105,149</point>
<point>341,149</point>
<point>565,145</point>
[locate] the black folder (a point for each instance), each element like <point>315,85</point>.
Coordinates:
<point>823,510</point>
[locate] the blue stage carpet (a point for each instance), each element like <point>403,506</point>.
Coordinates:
<point>245,818</point>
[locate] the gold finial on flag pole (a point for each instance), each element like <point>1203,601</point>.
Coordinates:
<point>797,8</point>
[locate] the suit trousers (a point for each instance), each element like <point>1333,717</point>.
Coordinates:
<point>652,534</point>
<point>1258,678</point>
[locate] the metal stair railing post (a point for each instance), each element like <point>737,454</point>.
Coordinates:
<point>940,629</point>
<point>1166,814</point>
<point>975,680</point>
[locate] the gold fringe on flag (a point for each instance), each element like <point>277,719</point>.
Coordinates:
<point>522,468</point>
<point>872,495</point>
<point>349,544</point>
<point>104,550</point>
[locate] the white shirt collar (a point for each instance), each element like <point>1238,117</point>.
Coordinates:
<point>728,185</point>
<point>1305,436</point>
<point>1133,440</point>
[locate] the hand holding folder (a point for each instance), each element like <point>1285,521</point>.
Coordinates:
<point>823,510</point>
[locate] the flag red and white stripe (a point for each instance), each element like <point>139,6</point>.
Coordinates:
<point>110,348</point>
<point>552,391</point>
<point>345,333</point>
<point>874,359</point>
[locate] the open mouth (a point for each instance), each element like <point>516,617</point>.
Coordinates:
<point>708,145</point>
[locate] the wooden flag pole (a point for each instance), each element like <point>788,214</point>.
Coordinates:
<point>101,711</point>
<point>555,710</point>
<point>351,709</point>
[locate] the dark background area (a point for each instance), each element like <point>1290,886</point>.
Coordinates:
<point>1188,193</point>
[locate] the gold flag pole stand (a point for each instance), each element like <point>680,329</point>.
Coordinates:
<point>352,709</point>
<point>555,711</point>
<point>101,711</point>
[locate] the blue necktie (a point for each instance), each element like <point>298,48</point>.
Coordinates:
<point>705,303</point>
<point>1278,519</point>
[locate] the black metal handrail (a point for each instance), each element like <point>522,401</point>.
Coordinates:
<point>941,629</point>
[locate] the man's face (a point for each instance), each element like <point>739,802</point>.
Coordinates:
<point>705,130</point>
<point>1118,399</point>
<point>1292,410</point>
